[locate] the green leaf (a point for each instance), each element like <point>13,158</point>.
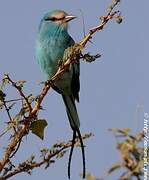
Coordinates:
<point>37,127</point>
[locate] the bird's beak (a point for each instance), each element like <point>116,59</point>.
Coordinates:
<point>69,18</point>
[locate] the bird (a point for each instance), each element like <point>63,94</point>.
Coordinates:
<point>52,41</point>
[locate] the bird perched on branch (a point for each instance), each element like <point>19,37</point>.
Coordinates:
<point>52,41</point>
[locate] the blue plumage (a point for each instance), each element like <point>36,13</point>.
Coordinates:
<point>52,40</point>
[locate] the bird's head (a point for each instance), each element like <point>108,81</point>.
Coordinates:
<point>58,17</point>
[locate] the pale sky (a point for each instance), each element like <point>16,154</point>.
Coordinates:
<point>114,90</point>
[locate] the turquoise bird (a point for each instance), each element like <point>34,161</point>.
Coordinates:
<point>53,39</point>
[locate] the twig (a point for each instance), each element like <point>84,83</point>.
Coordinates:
<point>14,100</point>
<point>17,148</point>
<point>20,91</point>
<point>97,28</point>
<point>7,110</point>
<point>8,113</point>
<point>28,165</point>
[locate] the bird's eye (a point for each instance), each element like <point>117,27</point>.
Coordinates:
<point>50,19</point>
<point>54,18</point>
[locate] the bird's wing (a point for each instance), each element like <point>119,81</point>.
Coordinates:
<point>75,83</point>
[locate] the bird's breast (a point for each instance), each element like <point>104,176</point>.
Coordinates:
<point>50,51</point>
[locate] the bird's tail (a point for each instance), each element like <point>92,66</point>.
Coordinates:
<point>71,111</point>
<point>75,124</point>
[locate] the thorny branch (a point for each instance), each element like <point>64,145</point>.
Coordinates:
<point>132,163</point>
<point>20,91</point>
<point>74,52</point>
<point>57,151</point>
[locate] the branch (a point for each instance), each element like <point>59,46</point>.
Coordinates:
<point>104,21</point>
<point>57,151</point>
<point>19,89</point>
